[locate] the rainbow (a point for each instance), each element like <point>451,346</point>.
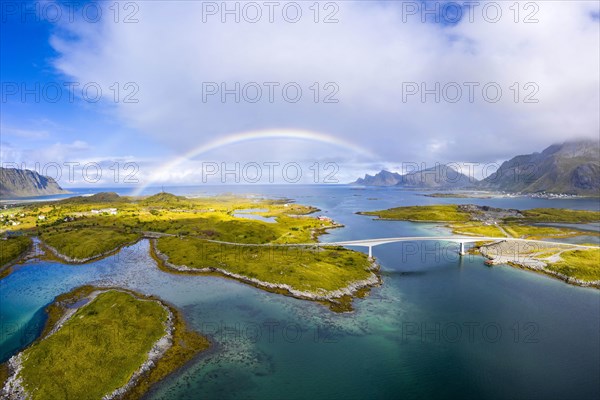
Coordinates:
<point>252,136</point>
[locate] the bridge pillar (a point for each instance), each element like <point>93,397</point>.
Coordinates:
<point>370,251</point>
<point>462,249</point>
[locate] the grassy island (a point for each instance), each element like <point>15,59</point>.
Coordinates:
<point>578,265</point>
<point>312,270</point>
<point>435,213</point>
<point>91,350</point>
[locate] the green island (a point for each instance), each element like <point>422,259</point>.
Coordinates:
<point>435,213</point>
<point>244,238</point>
<point>87,350</point>
<point>312,273</point>
<point>574,264</point>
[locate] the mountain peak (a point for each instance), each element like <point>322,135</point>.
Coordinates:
<point>382,178</point>
<point>24,183</point>
<point>439,176</point>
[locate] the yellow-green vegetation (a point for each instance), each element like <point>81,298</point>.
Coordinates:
<point>13,247</point>
<point>441,213</point>
<point>96,351</point>
<point>87,227</point>
<point>580,264</point>
<point>187,344</point>
<point>546,252</point>
<point>206,217</point>
<point>86,243</point>
<point>560,215</point>
<point>472,220</point>
<point>477,229</point>
<point>304,269</point>
<point>83,228</point>
<point>538,232</point>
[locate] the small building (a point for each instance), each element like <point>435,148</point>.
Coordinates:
<point>41,217</point>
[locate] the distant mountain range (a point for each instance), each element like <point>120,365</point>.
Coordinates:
<point>25,183</point>
<point>571,167</point>
<point>438,177</point>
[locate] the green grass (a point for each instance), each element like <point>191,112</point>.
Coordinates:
<point>560,215</point>
<point>84,243</point>
<point>209,218</point>
<point>299,267</point>
<point>12,248</point>
<point>477,229</point>
<point>580,264</point>
<point>441,213</point>
<point>539,232</point>
<point>451,213</point>
<point>97,349</point>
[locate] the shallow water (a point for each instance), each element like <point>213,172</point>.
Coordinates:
<point>249,214</point>
<point>441,326</point>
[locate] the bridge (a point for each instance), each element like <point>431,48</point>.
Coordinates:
<point>370,243</point>
<point>461,240</point>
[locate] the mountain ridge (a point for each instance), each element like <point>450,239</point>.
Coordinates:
<point>15,183</point>
<point>571,167</point>
<point>441,176</point>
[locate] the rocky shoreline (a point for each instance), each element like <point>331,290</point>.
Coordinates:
<point>97,257</point>
<point>350,290</point>
<point>532,264</point>
<point>13,388</point>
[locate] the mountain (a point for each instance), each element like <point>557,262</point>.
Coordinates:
<point>571,167</point>
<point>24,183</point>
<point>438,177</point>
<point>102,197</point>
<point>382,178</point>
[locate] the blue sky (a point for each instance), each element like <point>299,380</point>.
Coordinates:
<point>366,58</point>
<point>35,120</point>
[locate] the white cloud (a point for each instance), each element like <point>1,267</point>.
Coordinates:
<point>370,54</point>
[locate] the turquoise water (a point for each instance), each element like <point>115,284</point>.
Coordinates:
<point>441,326</point>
